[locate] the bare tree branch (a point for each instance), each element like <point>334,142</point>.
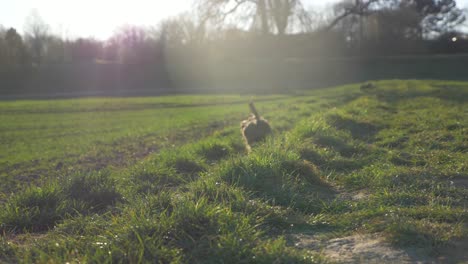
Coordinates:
<point>359,8</point>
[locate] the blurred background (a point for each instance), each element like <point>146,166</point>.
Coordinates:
<point>134,48</point>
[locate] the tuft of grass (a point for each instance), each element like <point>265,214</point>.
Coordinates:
<point>41,208</point>
<point>165,170</point>
<point>337,144</point>
<point>215,190</point>
<point>7,251</point>
<point>96,190</point>
<point>277,174</point>
<point>311,154</point>
<point>363,130</point>
<point>213,150</point>
<point>34,209</point>
<point>151,178</point>
<point>424,234</point>
<point>194,231</point>
<point>276,251</point>
<point>184,162</point>
<point>406,159</point>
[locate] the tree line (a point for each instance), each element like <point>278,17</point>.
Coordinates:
<point>250,29</point>
<point>352,26</point>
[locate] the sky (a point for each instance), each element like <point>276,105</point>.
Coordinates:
<point>100,18</point>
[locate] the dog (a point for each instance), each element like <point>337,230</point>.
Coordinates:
<point>255,128</point>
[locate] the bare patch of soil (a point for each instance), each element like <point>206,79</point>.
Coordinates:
<point>353,196</point>
<point>361,249</point>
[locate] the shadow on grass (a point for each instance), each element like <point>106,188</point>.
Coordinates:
<point>359,130</point>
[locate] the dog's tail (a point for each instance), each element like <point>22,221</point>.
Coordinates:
<point>254,110</point>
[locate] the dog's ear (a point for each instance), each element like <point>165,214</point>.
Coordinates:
<point>254,110</point>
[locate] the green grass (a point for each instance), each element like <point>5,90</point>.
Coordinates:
<point>168,180</point>
<point>43,137</point>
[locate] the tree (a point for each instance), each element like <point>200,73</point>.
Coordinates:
<point>133,45</point>
<point>285,12</point>
<point>436,16</point>
<point>402,23</point>
<point>15,54</point>
<point>420,16</point>
<point>37,33</point>
<point>2,47</point>
<point>271,16</point>
<point>56,50</point>
<point>359,8</point>
<point>84,49</point>
<point>184,29</point>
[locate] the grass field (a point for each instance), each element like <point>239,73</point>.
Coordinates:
<point>167,180</point>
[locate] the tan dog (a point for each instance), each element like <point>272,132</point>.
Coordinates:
<point>255,128</point>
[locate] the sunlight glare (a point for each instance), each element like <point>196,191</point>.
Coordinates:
<point>101,18</point>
